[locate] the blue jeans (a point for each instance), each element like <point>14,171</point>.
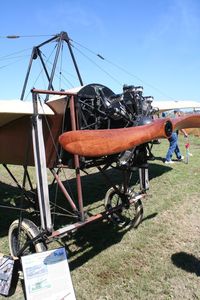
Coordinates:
<point>173,147</point>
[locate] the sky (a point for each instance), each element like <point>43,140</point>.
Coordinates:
<point>150,43</point>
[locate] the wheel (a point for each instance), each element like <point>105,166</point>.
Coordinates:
<point>19,236</point>
<point>130,211</point>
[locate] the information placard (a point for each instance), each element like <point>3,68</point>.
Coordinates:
<point>47,276</point>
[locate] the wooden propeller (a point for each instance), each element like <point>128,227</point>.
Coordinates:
<point>187,121</point>
<point>94,143</point>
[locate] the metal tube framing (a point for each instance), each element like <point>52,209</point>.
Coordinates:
<point>66,194</point>
<point>28,72</point>
<point>59,38</point>
<point>41,171</point>
<point>76,162</point>
<point>67,40</point>
<point>54,66</point>
<point>44,66</point>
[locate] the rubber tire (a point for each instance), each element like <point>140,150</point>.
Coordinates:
<point>30,230</point>
<point>138,214</point>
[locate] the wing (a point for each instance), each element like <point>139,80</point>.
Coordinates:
<point>163,106</point>
<point>11,110</point>
<point>93,143</point>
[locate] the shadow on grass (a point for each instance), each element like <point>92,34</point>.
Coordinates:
<point>149,217</point>
<point>9,203</point>
<point>159,158</point>
<point>187,262</point>
<point>94,185</point>
<point>92,240</point>
<point>95,238</point>
<point>157,170</point>
<point>88,241</point>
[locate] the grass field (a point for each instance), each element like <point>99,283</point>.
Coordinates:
<point>158,260</point>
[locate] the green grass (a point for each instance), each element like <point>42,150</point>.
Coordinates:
<point>158,260</point>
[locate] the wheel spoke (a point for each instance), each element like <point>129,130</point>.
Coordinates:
<point>19,237</point>
<point>130,211</point>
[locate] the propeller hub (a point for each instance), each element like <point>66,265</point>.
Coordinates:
<point>168,128</point>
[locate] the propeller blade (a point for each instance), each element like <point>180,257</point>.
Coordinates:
<point>187,121</point>
<point>94,143</point>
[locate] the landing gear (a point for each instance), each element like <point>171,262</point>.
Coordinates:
<point>22,238</point>
<point>125,209</point>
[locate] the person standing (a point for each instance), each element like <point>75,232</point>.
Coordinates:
<point>173,144</point>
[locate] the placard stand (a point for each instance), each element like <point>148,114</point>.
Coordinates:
<point>6,274</point>
<point>47,276</point>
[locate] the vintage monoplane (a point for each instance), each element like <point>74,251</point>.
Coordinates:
<point>84,127</point>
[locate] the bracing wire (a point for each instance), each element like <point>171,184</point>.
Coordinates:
<point>107,73</point>
<point>59,159</point>
<point>138,78</point>
<point>13,56</point>
<point>99,56</point>
<point>68,82</point>
<point>63,76</point>
<point>49,129</point>
<point>48,62</point>
<point>37,78</point>
<point>24,36</point>
<point>14,53</point>
<point>121,68</point>
<point>58,75</point>
<point>12,63</point>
